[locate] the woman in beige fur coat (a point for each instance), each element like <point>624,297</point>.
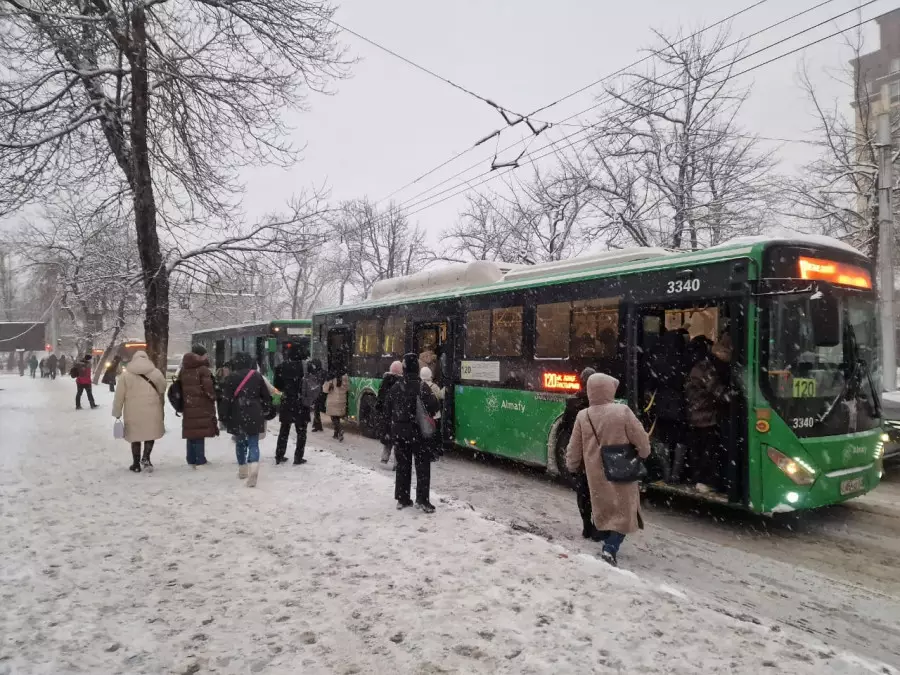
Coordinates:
<point>616,507</point>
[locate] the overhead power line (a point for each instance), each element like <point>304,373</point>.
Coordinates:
<point>583,89</point>
<point>606,98</point>
<point>533,159</point>
<point>504,112</point>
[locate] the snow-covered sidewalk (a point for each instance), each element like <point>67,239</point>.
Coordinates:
<point>313,571</point>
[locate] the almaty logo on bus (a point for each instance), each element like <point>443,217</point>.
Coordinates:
<point>520,407</point>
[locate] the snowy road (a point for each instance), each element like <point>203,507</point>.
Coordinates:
<point>834,574</point>
<point>314,571</point>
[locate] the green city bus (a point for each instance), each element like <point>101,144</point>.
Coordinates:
<point>266,342</point>
<point>801,430</point>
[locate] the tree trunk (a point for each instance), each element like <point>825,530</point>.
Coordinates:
<point>155,273</point>
<point>111,345</point>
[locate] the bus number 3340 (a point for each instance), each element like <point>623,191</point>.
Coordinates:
<point>682,286</point>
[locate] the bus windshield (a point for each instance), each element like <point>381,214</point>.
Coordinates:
<point>822,390</point>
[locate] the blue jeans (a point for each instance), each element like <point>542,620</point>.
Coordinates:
<point>612,541</point>
<point>196,451</point>
<point>247,449</point>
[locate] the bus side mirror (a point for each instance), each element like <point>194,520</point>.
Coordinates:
<point>826,319</point>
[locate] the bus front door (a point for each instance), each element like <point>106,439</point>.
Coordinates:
<point>340,343</point>
<point>435,344</point>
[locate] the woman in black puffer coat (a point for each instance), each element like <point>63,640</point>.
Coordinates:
<point>245,399</point>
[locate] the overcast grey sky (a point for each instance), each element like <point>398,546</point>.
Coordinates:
<point>389,123</point>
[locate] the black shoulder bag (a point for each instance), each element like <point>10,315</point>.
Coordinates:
<point>621,463</point>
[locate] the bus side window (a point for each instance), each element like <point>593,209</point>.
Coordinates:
<point>478,333</point>
<point>595,328</point>
<point>367,338</point>
<point>394,336</point>
<point>506,331</point>
<point>552,328</point>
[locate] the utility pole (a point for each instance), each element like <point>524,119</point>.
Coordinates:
<point>886,253</point>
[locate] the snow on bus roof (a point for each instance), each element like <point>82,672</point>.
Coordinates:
<point>786,235</point>
<point>458,278</point>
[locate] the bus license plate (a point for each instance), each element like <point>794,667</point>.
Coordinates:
<point>848,487</point>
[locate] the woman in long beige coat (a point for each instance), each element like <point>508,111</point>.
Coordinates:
<point>336,402</point>
<point>616,507</point>
<point>139,396</point>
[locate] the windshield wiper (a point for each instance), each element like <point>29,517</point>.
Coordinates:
<point>858,364</point>
<point>843,393</point>
<point>850,337</point>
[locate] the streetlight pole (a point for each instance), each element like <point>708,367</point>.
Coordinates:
<point>886,253</point>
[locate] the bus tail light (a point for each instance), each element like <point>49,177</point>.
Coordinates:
<point>797,472</point>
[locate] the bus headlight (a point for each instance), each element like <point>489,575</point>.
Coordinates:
<point>797,472</point>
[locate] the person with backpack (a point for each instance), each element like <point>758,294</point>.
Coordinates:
<point>139,399</point>
<point>411,407</point>
<point>245,401</point>
<point>81,373</point>
<point>195,398</point>
<point>607,430</point>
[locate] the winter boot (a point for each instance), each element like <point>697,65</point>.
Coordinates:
<point>135,461</point>
<point>609,557</point>
<point>254,474</point>
<point>243,472</point>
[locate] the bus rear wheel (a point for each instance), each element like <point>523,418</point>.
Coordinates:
<point>367,421</point>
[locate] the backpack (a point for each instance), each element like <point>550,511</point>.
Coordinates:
<point>74,372</point>
<point>176,396</point>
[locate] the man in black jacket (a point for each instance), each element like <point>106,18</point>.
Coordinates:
<point>294,411</point>
<point>401,409</point>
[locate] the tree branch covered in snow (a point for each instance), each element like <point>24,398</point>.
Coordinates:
<point>668,165</point>
<point>173,98</point>
<point>376,244</point>
<point>836,193</point>
<point>531,222</point>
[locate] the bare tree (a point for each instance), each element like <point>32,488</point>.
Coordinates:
<point>484,231</point>
<point>667,164</point>
<point>172,97</point>
<point>310,281</point>
<point>377,244</point>
<point>83,255</point>
<point>7,284</point>
<point>837,192</point>
<point>537,221</point>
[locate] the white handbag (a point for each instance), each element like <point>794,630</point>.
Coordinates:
<point>118,429</point>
